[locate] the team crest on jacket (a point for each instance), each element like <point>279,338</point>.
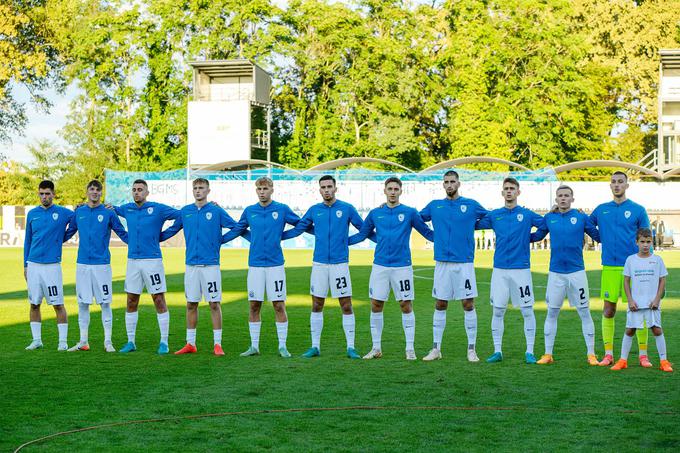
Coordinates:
<point>149,210</point>
<point>573,220</point>
<point>100,218</point>
<point>401,217</point>
<point>520,217</point>
<point>626,214</point>
<point>55,216</point>
<point>275,215</point>
<point>463,208</point>
<point>338,213</point>
<point>208,215</point>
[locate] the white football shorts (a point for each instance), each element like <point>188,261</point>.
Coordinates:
<point>400,279</point>
<point>45,280</point>
<point>454,281</point>
<point>272,279</point>
<point>330,276</point>
<point>513,284</point>
<point>574,286</point>
<point>637,319</point>
<point>203,282</point>
<point>147,273</point>
<point>94,281</point>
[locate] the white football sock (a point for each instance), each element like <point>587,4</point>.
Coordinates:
<point>63,332</point>
<point>438,325</point>
<point>471,327</point>
<point>164,325</point>
<point>348,325</point>
<point>217,336</point>
<point>376,329</point>
<point>625,346</point>
<point>316,326</point>
<point>408,322</point>
<point>661,346</point>
<point>191,337</point>
<point>282,333</point>
<point>497,327</point>
<point>529,327</point>
<point>84,321</point>
<point>131,325</point>
<point>588,329</point>
<point>254,328</point>
<point>550,329</point>
<point>36,331</point>
<point>107,322</point>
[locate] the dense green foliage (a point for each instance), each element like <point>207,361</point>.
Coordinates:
<point>540,82</point>
<point>567,406</point>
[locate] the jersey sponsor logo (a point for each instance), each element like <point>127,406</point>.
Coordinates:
<point>338,213</point>
<point>573,220</point>
<point>520,217</point>
<point>149,210</point>
<point>463,208</point>
<point>626,214</point>
<point>208,215</point>
<point>275,215</point>
<point>605,212</point>
<point>401,217</point>
<point>55,216</point>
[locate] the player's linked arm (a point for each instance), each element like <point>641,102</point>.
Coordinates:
<point>240,229</point>
<point>304,225</point>
<point>365,230</point>
<point>421,227</point>
<point>541,232</point>
<point>119,229</point>
<point>72,227</point>
<point>172,229</point>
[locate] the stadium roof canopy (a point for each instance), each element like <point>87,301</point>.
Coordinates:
<point>473,160</point>
<point>333,164</point>
<point>232,164</point>
<point>608,163</point>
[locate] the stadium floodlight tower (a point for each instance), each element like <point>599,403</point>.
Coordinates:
<point>668,150</point>
<point>229,116</point>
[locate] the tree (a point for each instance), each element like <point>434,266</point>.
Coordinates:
<point>29,59</point>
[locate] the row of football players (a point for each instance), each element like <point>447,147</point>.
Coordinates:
<point>621,225</point>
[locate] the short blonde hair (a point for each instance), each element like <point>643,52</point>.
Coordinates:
<point>264,181</point>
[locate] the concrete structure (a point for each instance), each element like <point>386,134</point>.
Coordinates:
<point>229,117</point>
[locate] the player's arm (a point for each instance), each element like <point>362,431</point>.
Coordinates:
<point>28,239</point>
<point>426,213</point>
<point>541,230</point>
<point>118,228</point>
<point>593,216</point>
<point>72,226</point>
<point>591,229</point>
<point>172,229</point>
<point>239,229</point>
<point>626,287</point>
<point>117,209</point>
<point>365,230</point>
<point>480,211</point>
<point>356,220</point>
<point>226,221</point>
<point>421,227</point>
<point>643,222</point>
<point>305,224</point>
<point>484,223</point>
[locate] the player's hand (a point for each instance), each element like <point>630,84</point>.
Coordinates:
<point>632,305</point>
<point>80,205</point>
<point>25,273</point>
<point>108,206</point>
<point>554,208</point>
<point>214,203</point>
<point>655,304</point>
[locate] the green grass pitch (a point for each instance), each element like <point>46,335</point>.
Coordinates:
<point>446,405</point>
